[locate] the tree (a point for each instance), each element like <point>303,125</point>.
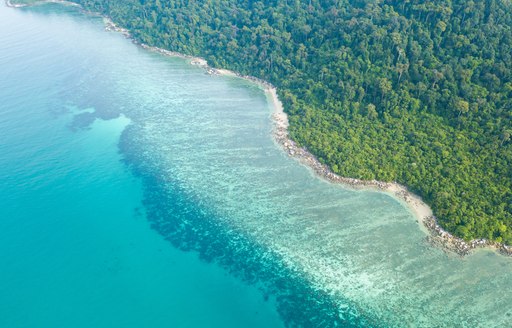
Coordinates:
<point>505,136</point>
<point>371,113</point>
<point>461,106</point>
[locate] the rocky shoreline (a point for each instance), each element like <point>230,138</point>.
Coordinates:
<point>445,240</point>
<point>437,235</point>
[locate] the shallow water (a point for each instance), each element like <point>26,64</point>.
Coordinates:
<point>200,168</point>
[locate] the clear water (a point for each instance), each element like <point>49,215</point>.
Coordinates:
<point>115,160</point>
<point>75,247</point>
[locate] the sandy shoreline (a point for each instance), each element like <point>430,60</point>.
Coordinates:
<point>437,236</point>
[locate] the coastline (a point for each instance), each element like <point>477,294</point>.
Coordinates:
<point>437,236</point>
<point>8,3</point>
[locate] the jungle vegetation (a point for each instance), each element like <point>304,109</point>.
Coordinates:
<point>413,91</point>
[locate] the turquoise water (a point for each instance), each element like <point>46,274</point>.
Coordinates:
<point>141,192</point>
<point>75,247</point>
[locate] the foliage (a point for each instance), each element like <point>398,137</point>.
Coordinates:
<point>418,92</point>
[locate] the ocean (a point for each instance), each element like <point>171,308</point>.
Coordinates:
<point>137,191</point>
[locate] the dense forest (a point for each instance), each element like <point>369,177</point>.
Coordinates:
<point>413,91</point>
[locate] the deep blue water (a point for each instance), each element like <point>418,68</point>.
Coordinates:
<point>139,192</point>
